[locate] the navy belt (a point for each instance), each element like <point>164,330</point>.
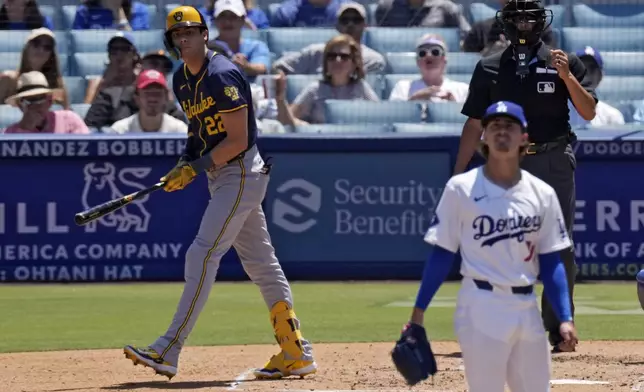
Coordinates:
<point>485,285</point>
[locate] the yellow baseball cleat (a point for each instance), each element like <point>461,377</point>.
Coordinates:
<point>150,358</point>
<point>279,367</point>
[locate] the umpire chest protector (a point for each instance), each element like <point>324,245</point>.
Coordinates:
<point>541,92</point>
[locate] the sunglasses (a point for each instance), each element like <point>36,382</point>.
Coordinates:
<point>33,100</point>
<point>336,56</point>
<point>345,20</point>
<point>435,51</point>
<point>43,44</point>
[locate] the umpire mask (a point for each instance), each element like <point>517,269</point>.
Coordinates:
<point>523,21</point>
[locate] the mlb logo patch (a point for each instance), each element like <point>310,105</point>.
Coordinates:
<point>546,87</point>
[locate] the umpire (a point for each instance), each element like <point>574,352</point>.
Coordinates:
<point>542,80</point>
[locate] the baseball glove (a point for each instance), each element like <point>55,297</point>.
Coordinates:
<point>413,355</point>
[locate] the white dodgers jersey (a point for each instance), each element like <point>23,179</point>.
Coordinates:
<point>500,232</point>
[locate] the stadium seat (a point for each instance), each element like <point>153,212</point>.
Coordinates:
<point>368,112</point>
<point>96,40</point>
<point>457,62</point>
<point>623,63</point>
<point>246,33</point>
<point>445,112</point>
<point>389,81</point>
<point>14,40</point>
<point>81,109</point>
<point>54,14</point>
<point>272,10</point>
<point>11,61</point>
<point>621,88</point>
<point>85,64</point>
<point>282,40</point>
<point>76,88</point>
<point>608,15</point>
<point>69,14</point>
<point>9,115</point>
<point>343,128</point>
<point>296,83</point>
<point>616,39</point>
<point>403,39</point>
<point>428,128</point>
<point>482,11</point>
<point>371,14</point>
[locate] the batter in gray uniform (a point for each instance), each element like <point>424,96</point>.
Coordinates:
<point>216,98</point>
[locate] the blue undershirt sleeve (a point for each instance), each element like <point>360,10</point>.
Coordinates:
<point>437,267</point>
<point>555,284</point>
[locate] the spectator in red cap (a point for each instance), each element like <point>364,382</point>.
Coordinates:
<point>151,96</point>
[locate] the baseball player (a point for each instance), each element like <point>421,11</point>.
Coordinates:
<point>216,98</point>
<point>509,228</point>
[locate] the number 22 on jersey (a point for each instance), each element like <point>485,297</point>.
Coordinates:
<point>214,125</point>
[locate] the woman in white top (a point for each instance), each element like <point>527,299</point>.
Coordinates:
<point>431,58</point>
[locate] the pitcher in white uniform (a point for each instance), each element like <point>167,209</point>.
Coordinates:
<point>509,228</point>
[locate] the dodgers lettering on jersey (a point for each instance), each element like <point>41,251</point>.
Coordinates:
<point>500,232</point>
<point>219,87</point>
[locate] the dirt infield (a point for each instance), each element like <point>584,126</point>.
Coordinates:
<point>343,367</point>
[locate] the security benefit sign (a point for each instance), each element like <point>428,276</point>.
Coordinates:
<point>353,207</point>
<point>609,219</point>
<point>146,240</point>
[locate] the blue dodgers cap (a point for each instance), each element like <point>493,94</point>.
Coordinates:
<point>505,109</point>
<point>589,51</point>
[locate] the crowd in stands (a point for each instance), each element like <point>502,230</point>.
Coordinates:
<point>99,66</point>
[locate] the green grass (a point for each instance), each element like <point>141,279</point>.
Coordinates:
<point>54,317</point>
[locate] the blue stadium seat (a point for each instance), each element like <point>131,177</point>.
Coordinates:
<point>296,83</point>
<point>69,13</point>
<point>371,14</point>
<point>54,14</point>
<point>621,88</point>
<point>272,9</point>
<point>11,61</point>
<point>85,64</point>
<point>457,62</point>
<point>445,112</point>
<point>9,115</point>
<point>403,39</point>
<point>96,40</point>
<point>80,109</point>
<point>608,15</point>
<point>482,11</point>
<point>389,81</point>
<point>282,40</point>
<point>246,33</point>
<point>623,63</point>
<point>367,112</point>
<point>76,88</point>
<point>614,39</point>
<point>427,128</point>
<point>343,128</point>
<point>14,40</point>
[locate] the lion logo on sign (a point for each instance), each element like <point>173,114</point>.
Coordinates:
<point>103,183</point>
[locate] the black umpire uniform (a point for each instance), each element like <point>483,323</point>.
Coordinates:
<point>525,74</point>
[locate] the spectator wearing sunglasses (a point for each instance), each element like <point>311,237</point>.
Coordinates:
<point>486,36</point>
<point>605,114</point>
<point>121,68</point>
<point>112,14</point>
<point>424,13</point>
<point>351,20</point>
<point>114,99</point>
<point>38,54</point>
<point>35,98</point>
<point>251,55</point>
<point>342,78</point>
<point>431,59</point>
<point>307,13</point>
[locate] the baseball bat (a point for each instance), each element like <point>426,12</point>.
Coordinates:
<point>101,210</point>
